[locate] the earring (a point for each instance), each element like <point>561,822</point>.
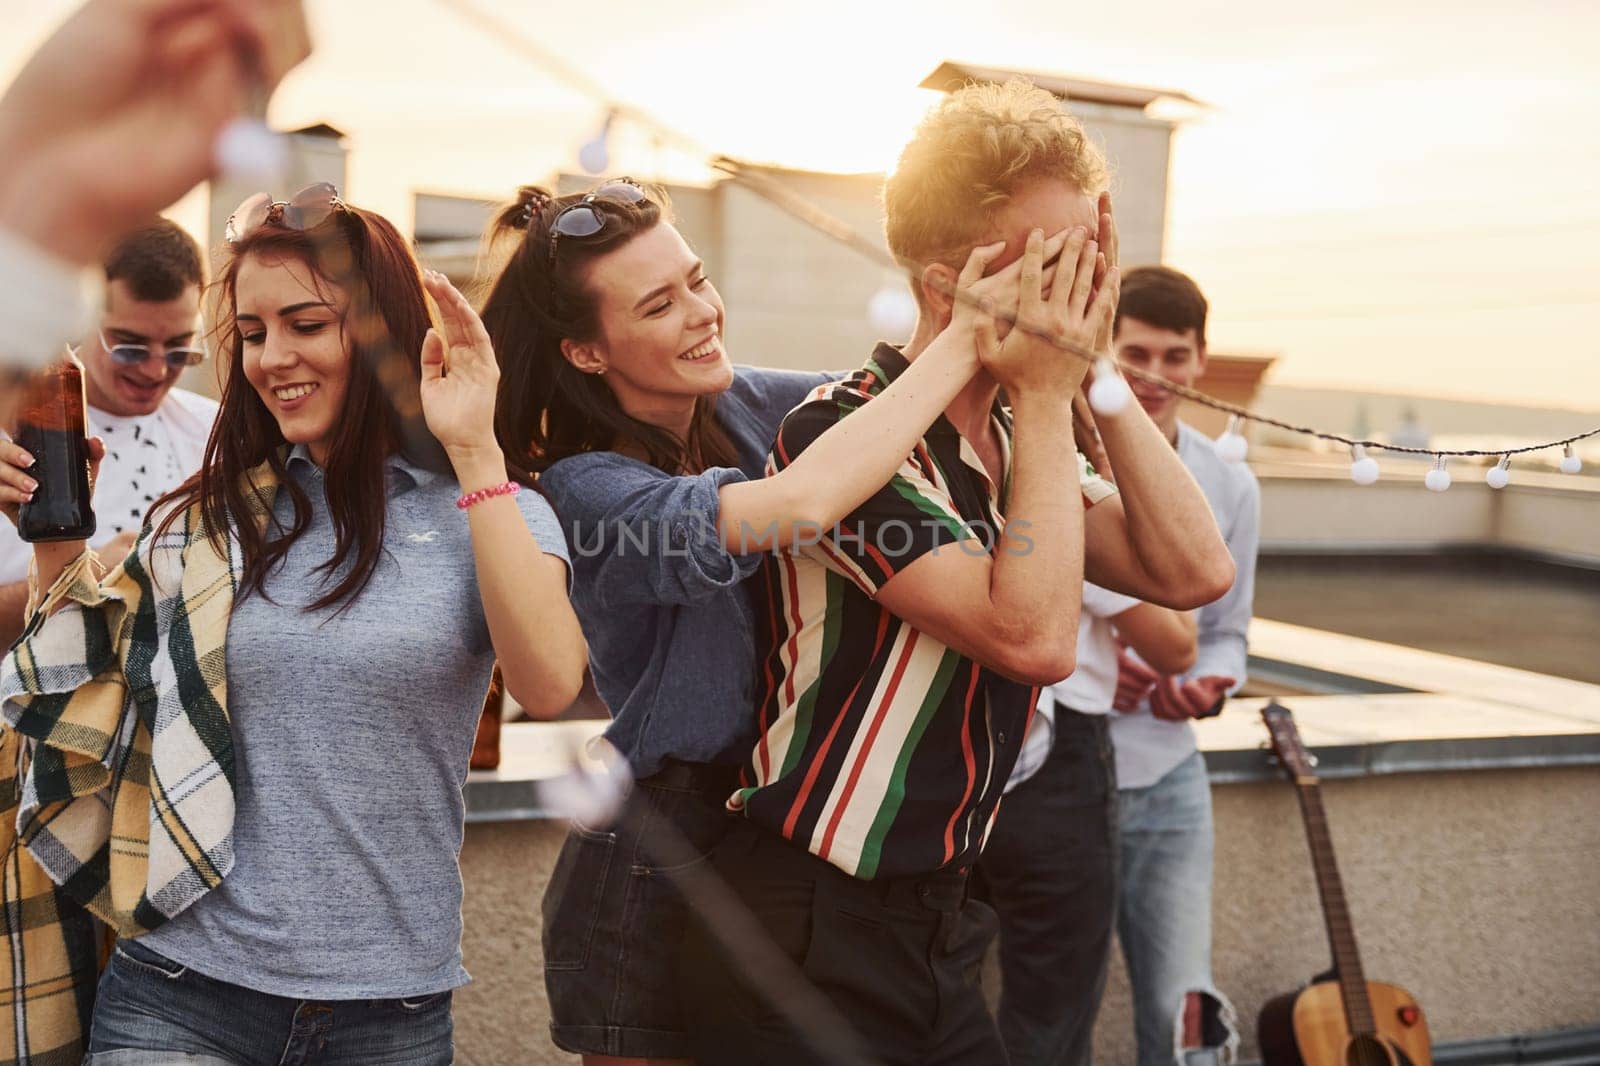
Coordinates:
<point>600,370</point>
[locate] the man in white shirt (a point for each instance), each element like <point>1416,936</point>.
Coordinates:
<point>1165,829</point>
<point>1050,867</point>
<point>155,434</point>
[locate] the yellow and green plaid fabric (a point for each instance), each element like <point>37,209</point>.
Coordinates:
<point>120,802</point>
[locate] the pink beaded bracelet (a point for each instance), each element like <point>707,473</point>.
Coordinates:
<point>510,488</point>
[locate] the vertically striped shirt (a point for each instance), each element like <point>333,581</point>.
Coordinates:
<point>882,750</point>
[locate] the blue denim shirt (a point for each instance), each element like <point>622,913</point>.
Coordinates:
<point>669,622</point>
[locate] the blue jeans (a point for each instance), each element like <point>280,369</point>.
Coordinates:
<point>1164,913</point>
<point>152,1011</point>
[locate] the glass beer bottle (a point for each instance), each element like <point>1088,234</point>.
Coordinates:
<point>51,429</point>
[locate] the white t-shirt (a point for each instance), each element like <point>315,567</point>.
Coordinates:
<point>147,456</point>
<point>1092,687</point>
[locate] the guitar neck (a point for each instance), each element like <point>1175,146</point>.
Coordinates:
<point>1335,911</point>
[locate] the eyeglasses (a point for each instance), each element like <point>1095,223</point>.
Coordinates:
<point>583,220</point>
<point>306,209</point>
<point>136,354</point>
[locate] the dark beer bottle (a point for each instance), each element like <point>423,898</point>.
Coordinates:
<point>51,429</point>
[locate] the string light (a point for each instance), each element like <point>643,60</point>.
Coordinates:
<point>1363,468</point>
<point>250,153</point>
<point>1232,446</point>
<point>1113,396</point>
<point>892,311</point>
<point>1438,478</point>
<point>1109,394</point>
<point>595,156</point>
<point>1499,475</point>
<point>592,788</point>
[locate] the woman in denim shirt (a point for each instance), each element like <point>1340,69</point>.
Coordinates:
<point>617,391</point>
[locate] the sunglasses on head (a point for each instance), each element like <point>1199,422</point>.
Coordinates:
<point>306,209</point>
<point>582,219</point>
<point>137,354</point>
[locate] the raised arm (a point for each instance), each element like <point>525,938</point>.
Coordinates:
<point>523,586</point>
<point>1157,540</point>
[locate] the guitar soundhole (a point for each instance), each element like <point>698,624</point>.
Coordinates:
<point>1368,1051</point>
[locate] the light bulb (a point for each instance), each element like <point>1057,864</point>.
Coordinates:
<point>595,157</point>
<point>1231,446</point>
<point>1363,468</point>
<point>1438,478</point>
<point>249,153</point>
<point>1499,475</point>
<point>892,312</point>
<point>1109,395</point>
<point>593,787</point>
<point>1570,463</point>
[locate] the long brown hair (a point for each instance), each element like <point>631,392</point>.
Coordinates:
<point>547,409</point>
<point>362,255</point>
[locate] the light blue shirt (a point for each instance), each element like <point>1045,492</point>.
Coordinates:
<point>352,731</point>
<point>1147,748</point>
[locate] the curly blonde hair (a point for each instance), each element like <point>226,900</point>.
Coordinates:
<point>969,155</point>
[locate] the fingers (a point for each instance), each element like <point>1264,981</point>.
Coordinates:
<point>449,329</point>
<point>978,263</point>
<point>1075,297</point>
<point>1109,241</point>
<point>1129,696</point>
<point>463,327</point>
<point>1103,311</point>
<point>1031,278</point>
<point>1166,703</point>
<point>97,452</point>
<point>986,336</point>
<point>432,356</point>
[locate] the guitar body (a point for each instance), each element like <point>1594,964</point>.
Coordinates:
<point>1308,1028</point>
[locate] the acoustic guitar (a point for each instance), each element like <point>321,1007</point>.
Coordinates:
<point>1341,1018</point>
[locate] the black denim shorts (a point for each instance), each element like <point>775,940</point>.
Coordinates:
<point>614,923</point>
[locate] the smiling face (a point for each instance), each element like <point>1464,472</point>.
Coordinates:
<point>659,341</point>
<point>139,389</point>
<point>295,351</point>
<point>1176,356</point>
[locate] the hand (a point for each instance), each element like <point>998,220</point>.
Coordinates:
<point>1134,682</point>
<point>117,115</point>
<point>1024,363</point>
<point>460,378</point>
<point>17,486</point>
<point>980,297</point>
<point>1173,700</point>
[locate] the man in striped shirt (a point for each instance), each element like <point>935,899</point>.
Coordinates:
<point>903,648</point>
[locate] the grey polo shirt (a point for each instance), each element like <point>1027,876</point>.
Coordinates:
<point>352,732</point>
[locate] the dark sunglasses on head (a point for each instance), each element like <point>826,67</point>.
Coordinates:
<point>136,354</point>
<point>582,219</point>
<point>306,209</point>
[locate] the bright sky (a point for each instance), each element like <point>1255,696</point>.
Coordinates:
<point>1392,196</point>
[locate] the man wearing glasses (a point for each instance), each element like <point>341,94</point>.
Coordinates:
<point>155,433</point>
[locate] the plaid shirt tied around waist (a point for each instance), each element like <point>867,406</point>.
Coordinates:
<point>118,798</point>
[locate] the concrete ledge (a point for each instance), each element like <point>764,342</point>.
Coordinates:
<point>1370,709</point>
